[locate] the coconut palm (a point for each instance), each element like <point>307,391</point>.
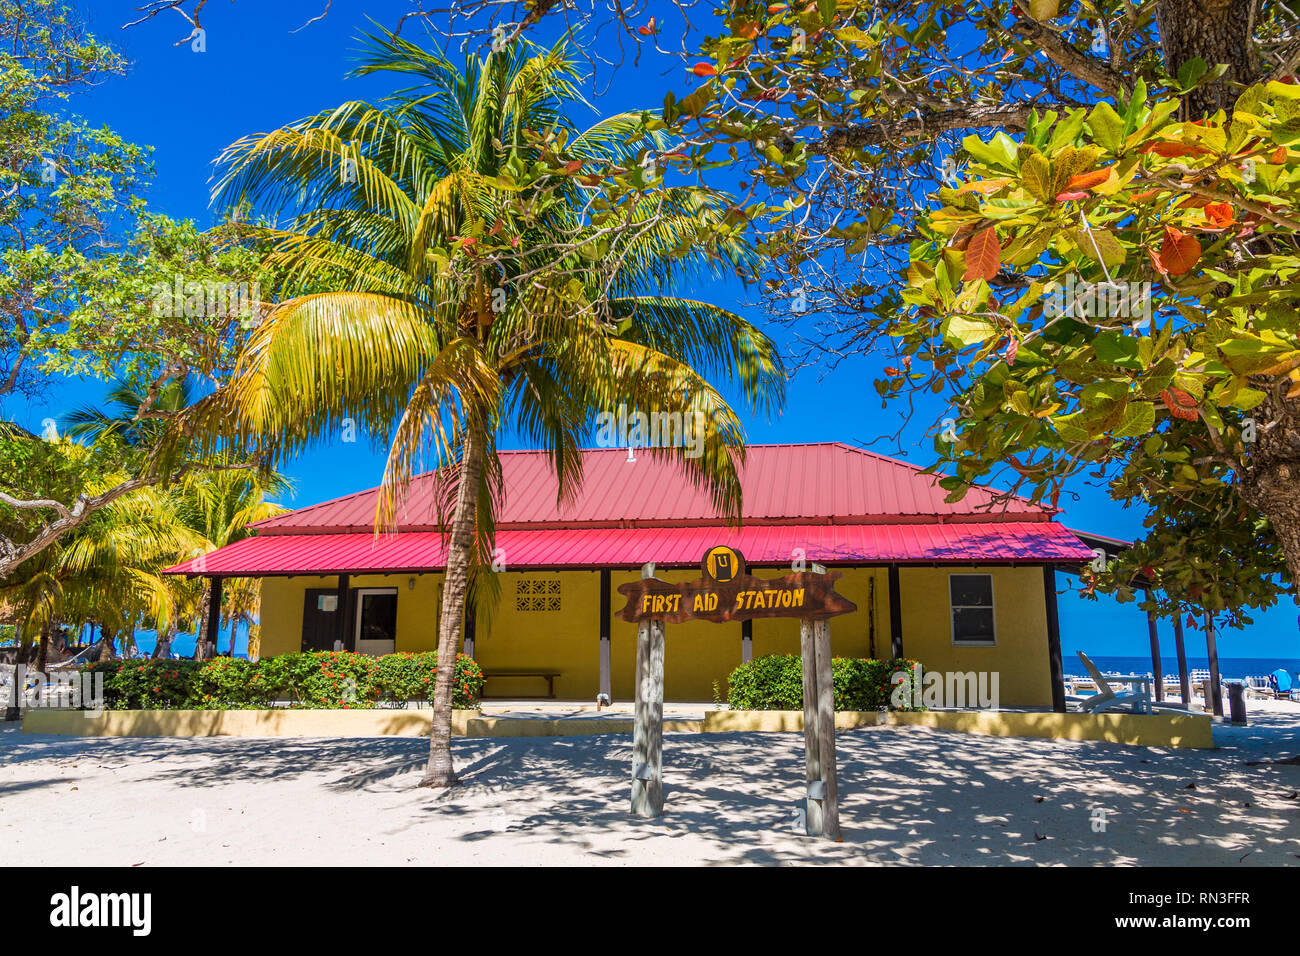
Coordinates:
<point>121,418</point>
<point>218,507</point>
<point>473,291</point>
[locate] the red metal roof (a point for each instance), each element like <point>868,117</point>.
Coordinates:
<point>828,483</point>
<point>960,543</point>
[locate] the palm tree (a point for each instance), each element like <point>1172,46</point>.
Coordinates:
<point>122,419</point>
<point>472,291</point>
<point>217,507</point>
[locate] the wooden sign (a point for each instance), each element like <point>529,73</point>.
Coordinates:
<point>727,593</point>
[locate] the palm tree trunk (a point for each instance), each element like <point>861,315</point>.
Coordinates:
<point>201,635</point>
<point>14,712</point>
<point>106,639</point>
<point>439,772</point>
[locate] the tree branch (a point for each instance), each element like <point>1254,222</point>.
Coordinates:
<point>927,123</point>
<point>1070,58</point>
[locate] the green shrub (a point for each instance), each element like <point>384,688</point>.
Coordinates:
<point>775,682</point>
<point>314,680</point>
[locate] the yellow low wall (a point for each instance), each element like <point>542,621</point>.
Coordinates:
<point>747,721</point>
<point>1142,730</point>
<point>240,723</point>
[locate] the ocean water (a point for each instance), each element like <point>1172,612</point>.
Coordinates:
<point>183,644</point>
<point>1230,668</point>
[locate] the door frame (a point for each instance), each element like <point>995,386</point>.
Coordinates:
<point>358,601</point>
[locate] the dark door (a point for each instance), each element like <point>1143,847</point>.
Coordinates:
<point>320,619</point>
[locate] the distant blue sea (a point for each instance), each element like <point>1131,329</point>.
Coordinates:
<point>1230,668</point>
<point>184,644</point>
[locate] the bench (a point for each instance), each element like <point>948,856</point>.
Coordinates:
<point>548,675</point>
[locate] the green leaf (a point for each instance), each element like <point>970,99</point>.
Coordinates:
<point>1139,419</point>
<point>964,330</point>
<point>1036,174</point>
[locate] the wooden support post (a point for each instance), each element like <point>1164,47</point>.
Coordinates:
<point>605,682</point>
<point>1212,652</point>
<point>1055,667</point>
<point>746,641</point>
<point>214,618</point>
<point>826,730</point>
<point>341,621</point>
<point>470,628</point>
<point>811,735</point>
<point>648,738</point>
<point>1184,682</point>
<point>895,613</point>
<point>1157,671</point>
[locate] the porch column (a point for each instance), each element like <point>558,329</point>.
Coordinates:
<point>746,641</point>
<point>341,621</point>
<point>1184,682</point>
<point>603,631</point>
<point>1156,669</point>
<point>1055,668</point>
<point>895,613</point>
<point>214,618</point>
<point>1212,651</point>
<point>471,626</point>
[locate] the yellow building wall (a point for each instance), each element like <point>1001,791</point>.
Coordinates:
<point>567,640</point>
<point>698,653</point>
<point>1020,626</point>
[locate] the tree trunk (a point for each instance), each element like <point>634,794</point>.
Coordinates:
<point>15,712</point>
<point>43,651</point>
<point>1216,31</point>
<point>162,647</point>
<point>1270,480</point>
<point>106,640</point>
<point>201,635</point>
<point>440,772</point>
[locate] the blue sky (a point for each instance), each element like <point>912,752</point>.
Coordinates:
<point>256,75</point>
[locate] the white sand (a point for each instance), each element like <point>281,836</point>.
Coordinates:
<point>909,795</point>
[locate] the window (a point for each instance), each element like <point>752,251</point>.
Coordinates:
<point>537,594</point>
<point>971,599</point>
<point>376,624</point>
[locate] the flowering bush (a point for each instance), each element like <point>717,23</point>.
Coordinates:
<point>775,682</point>
<point>319,680</point>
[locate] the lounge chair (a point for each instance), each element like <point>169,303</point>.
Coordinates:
<point>1108,696</point>
<point>1283,684</point>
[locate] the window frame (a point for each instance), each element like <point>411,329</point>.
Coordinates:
<point>953,608</point>
<point>359,595</point>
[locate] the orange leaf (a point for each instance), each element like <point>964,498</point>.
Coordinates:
<point>1171,150</point>
<point>1071,194</point>
<point>1279,155</point>
<point>1180,404</point>
<point>1147,194</point>
<point>704,69</point>
<point>572,166</point>
<point>747,30</point>
<point>1219,214</point>
<point>1088,180</point>
<point>647,30</point>
<point>983,255</point>
<point>1178,251</point>
<point>983,186</point>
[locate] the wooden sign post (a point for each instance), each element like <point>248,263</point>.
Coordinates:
<point>726,593</point>
<point>648,729</point>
